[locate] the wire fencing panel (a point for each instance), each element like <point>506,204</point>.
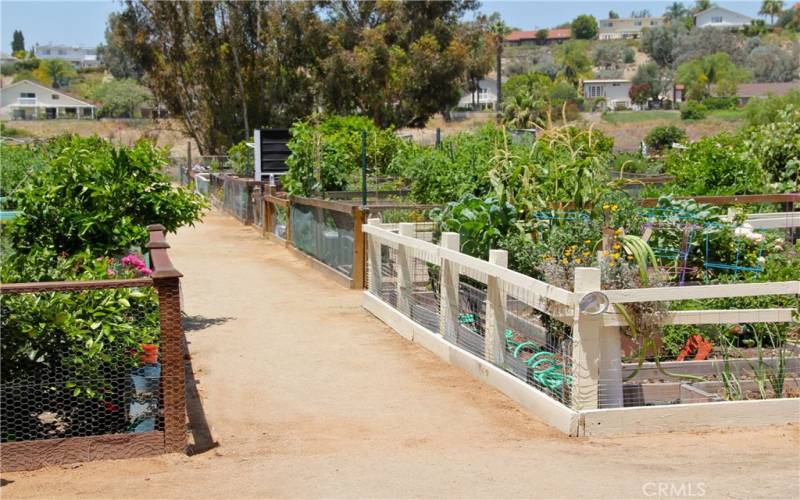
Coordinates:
<point>90,367</point>
<point>327,235</point>
<point>278,220</point>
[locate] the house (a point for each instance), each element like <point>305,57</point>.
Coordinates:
<point>27,100</point>
<point>530,37</point>
<point>484,98</point>
<point>79,57</point>
<point>747,91</point>
<point>626,28</point>
<point>614,91</point>
<point>719,17</point>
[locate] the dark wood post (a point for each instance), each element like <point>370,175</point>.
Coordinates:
<point>360,215</point>
<point>289,221</point>
<point>189,172</point>
<point>267,211</point>
<point>166,280</point>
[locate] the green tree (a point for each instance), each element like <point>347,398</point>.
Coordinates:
<point>659,43</point>
<point>480,53</point>
<point>542,34</point>
<point>676,11</point>
<point>574,61</point>
<point>771,8</point>
<point>613,14</point>
<point>584,27</point>
<point>17,42</point>
<point>701,5</point>
<point>651,75</point>
<point>55,72</point>
<point>712,75</point>
<point>499,31</point>
<point>120,98</point>
<point>112,53</point>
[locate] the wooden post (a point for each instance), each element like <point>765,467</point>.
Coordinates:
<point>166,280</point>
<point>596,353</point>
<point>256,199</point>
<point>495,338</point>
<point>405,274</point>
<point>374,250</point>
<point>267,211</point>
<point>189,172</point>
<point>360,215</point>
<point>289,222</point>
<point>448,290</point>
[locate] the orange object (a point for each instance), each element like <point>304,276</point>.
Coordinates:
<point>696,345</point>
<point>149,354</point>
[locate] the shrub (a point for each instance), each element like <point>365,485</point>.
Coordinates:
<point>663,137</point>
<point>241,159</point>
<point>693,110</point>
<point>776,146</point>
<point>481,223</point>
<point>766,110</point>
<point>720,102</point>
<point>93,196</point>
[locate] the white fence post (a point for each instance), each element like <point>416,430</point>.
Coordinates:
<point>448,290</point>
<point>585,345</point>
<point>405,265</point>
<point>495,338</point>
<point>374,254</point>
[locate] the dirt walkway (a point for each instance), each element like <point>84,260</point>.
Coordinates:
<point>310,396</point>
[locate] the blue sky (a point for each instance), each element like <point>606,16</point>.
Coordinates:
<point>83,22</point>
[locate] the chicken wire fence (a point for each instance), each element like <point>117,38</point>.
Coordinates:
<point>277,222</point>
<point>327,235</point>
<point>233,196</point>
<point>80,363</point>
<point>535,347</point>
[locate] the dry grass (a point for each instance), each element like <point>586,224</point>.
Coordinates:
<point>165,133</point>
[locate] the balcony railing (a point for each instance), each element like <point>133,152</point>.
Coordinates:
<point>27,101</point>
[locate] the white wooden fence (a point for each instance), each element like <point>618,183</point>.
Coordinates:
<point>595,367</point>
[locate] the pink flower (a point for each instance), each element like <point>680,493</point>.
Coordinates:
<point>111,272</point>
<point>134,261</point>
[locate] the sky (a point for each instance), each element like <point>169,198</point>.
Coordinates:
<point>83,22</point>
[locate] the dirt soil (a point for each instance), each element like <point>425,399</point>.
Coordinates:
<point>307,395</point>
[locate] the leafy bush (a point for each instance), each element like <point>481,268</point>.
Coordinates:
<point>17,164</point>
<point>663,137</point>
<point>720,102</point>
<point>764,111</point>
<point>776,146</point>
<point>95,197</point>
<point>693,110</point>
<point>241,159</point>
<point>120,98</point>
<point>326,155</point>
<point>481,223</point>
<point>718,165</point>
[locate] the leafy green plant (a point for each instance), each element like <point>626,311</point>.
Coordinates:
<point>693,110</point>
<point>241,159</point>
<point>481,223</point>
<point>93,196</point>
<point>663,137</point>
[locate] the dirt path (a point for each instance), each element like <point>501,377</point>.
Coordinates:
<point>310,396</point>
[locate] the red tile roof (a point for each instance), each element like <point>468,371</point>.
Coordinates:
<point>555,34</point>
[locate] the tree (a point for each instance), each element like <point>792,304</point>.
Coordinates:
<point>56,73</point>
<point>542,34</point>
<point>112,53</point>
<point>612,55</point>
<point>637,14</point>
<point>639,93</point>
<point>701,5</point>
<point>574,61</point>
<point>499,31</point>
<point>771,8</point>
<point>660,42</point>
<point>715,74</point>
<point>676,11</point>
<point>120,98</point>
<point>652,76</point>
<point>480,53</point>
<point>17,42</point>
<point>613,15</point>
<point>771,63</point>
<point>584,27</point>
<point>701,42</point>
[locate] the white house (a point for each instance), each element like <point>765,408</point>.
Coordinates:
<point>79,57</point>
<point>718,17</point>
<point>626,28</point>
<point>614,91</point>
<point>485,97</point>
<point>27,100</point>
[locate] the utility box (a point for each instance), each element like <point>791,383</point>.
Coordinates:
<point>271,152</point>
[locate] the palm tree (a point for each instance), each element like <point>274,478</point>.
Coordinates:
<point>676,11</point>
<point>701,5</point>
<point>499,30</point>
<point>771,8</point>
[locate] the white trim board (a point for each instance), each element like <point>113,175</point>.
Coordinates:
<point>546,408</point>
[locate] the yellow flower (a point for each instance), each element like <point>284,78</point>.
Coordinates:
<point>605,207</point>
<point>616,246</point>
<point>615,255</point>
<point>605,253</point>
<point>585,254</point>
<point>578,260</point>
<point>630,257</point>
<point>586,242</point>
<point>614,207</point>
<point>618,231</point>
<point>564,261</point>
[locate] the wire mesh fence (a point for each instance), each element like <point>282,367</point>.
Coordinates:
<point>325,234</point>
<point>233,195</point>
<point>89,367</point>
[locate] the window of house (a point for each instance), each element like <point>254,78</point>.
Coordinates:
<point>46,52</point>
<point>595,90</point>
<point>61,52</point>
<point>27,95</point>
<point>55,97</point>
<point>615,84</point>
<point>637,23</point>
<point>716,19</point>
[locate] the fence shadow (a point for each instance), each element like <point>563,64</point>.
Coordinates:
<point>202,440</point>
<point>197,322</point>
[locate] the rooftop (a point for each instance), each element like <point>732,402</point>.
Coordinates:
<point>762,89</point>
